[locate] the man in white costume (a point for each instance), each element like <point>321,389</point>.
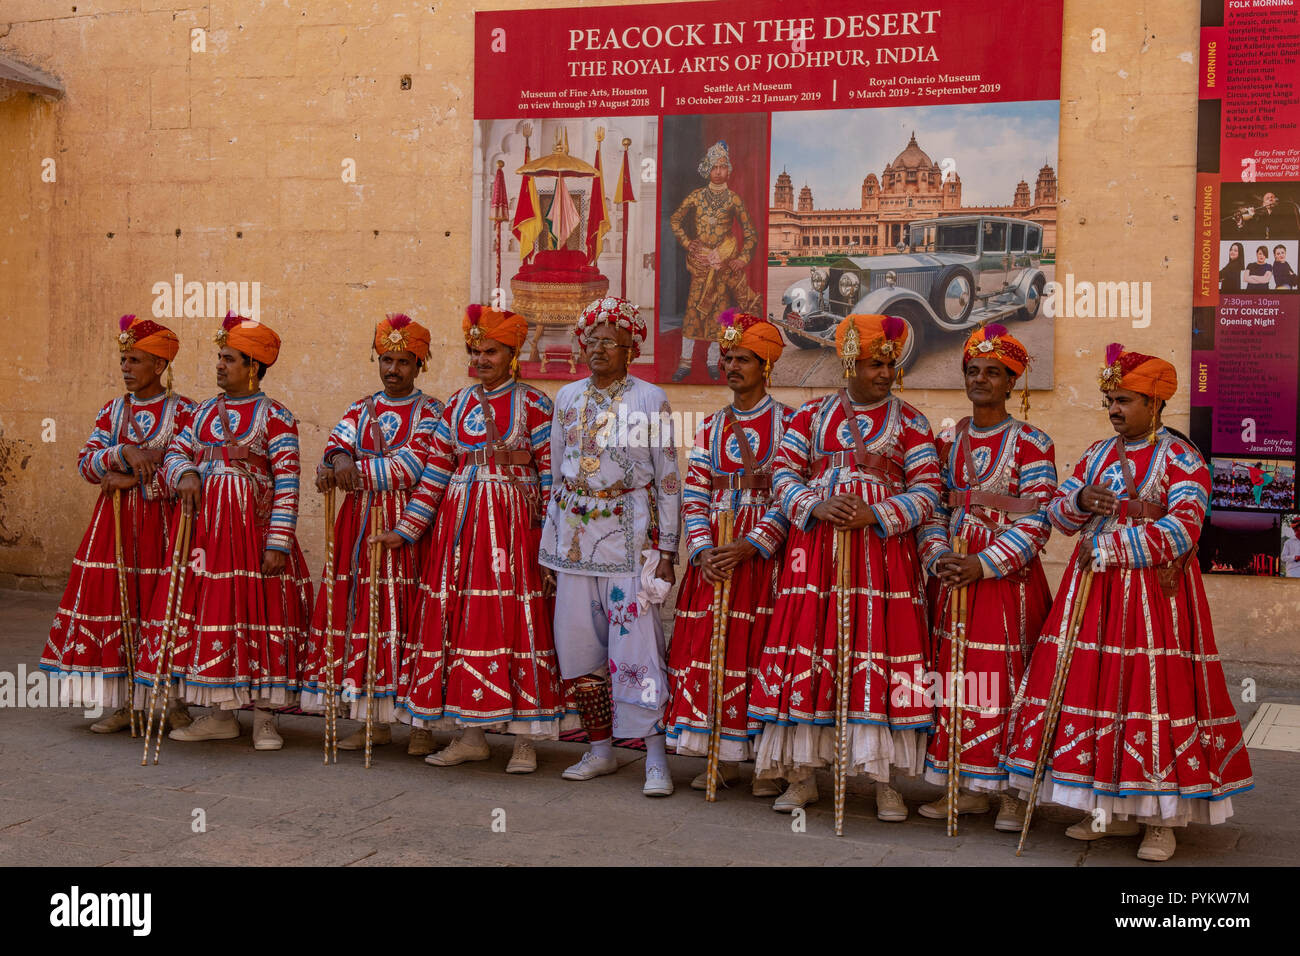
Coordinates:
<point>615,495</point>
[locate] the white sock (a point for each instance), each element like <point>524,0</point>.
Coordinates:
<point>603,748</point>
<point>688,348</point>
<point>474,737</point>
<point>655,755</point>
<point>715,352</point>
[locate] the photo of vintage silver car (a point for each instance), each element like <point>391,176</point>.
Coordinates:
<point>951,274</point>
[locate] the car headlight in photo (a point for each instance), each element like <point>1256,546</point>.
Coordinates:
<point>819,278</point>
<point>848,286</point>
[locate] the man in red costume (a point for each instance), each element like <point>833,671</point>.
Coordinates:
<point>1147,732</point>
<point>375,455</point>
<point>122,456</point>
<point>999,474</point>
<point>245,595</point>
<point>730,470</point>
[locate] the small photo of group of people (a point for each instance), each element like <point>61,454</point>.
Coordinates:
<point>1259,237</point>
<point>1258,267</point>
<point>1253,484</point>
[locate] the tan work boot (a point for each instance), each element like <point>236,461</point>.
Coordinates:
<point>1083,830</point>
<point>524,757</point>
<point>421,742</point>
<point>966,803</point>
<point>799,794</point>
<point>119,719</point>
<point>1011,814</point>
<point>889,804</point>
<point>728,773</point>
<point>458,752</point>
<point>767,786</point>
<point>1158,844</point>
<point>380,734</point>
<point>178,714</point>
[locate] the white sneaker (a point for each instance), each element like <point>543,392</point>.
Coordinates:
<point>380,734</point>
<point>728,773</point>
<point>966,803</point>
<point>1158,844</point>
<point>524,757</point>
<point>208,727</point>
<point>119,719</point>
<point>1083,829</point>
<point>458,752</point>
<point>1011,814</point>
<point>799,794</point>
<point>890,806</point>
<point>590,767</point>
<point>657,782</point>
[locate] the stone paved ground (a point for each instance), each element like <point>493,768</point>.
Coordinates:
<point>71,797</point>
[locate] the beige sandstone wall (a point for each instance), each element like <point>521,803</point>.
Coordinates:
<point>164,157</point>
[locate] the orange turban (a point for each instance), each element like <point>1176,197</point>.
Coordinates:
<point>502,326</point>
<point>397,333</point>
<point>745,331</point>
<point>147,336</point>
<point>254,339</point>
<point>994,341</point>
<point>1144,374</point>
<point>875,336</point>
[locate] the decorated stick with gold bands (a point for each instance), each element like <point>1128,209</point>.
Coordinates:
<point>956,666</point>
<point>331,662</point>
<point>1053,712</point>
<point>171,613</point>
<point>124,603</point>
<point>718,662</point>
<point>844,669</point>
<point>372,638</point>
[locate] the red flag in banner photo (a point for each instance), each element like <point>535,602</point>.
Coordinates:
<point>527,224</point>
<point>624,191</point>
<point>500,198</point>
<point>598,216</point>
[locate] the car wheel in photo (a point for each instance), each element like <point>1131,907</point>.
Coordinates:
<point>953,295</point>
<point>1033,301</point>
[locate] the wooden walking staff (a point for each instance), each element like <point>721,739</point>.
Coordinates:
<point>957,666</point>
<point>718,662</point>
<point>1053,712</point>
<point>180,552</point>
<point>128,641</point>
<point>372,602</point>
<point>843,668</point>
<point>331,688</point>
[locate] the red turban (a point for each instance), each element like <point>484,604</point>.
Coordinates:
<point>1144,374</point>
<point>501,326</point>
<point>742,330</point>
<point>147,336</point>
<point>994,341</point>
<point>397,333</point>
<point>252,338</point>
<point>611,310</point>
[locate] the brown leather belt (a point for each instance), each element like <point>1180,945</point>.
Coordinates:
<point>616,490</point>
<point>878,465</point>
<point>737,480</point>
<point>234,453</point>
<point>1144,509</point>
<point>498,456</point>
<point>1008,504</point>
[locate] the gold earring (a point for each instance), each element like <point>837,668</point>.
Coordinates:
<point>252,378</point>
<point>168,383</point>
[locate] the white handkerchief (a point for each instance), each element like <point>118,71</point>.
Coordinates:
<point>653,590</point>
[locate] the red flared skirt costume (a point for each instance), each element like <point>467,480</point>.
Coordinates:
<point>486,654</point>
<point>883,612</point>
<point>85,647</point>
<point>239,635</point>
<point>1147,729</point>
<point>389,446</point>
<point>1006,608</point>
<point>717,479</point>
